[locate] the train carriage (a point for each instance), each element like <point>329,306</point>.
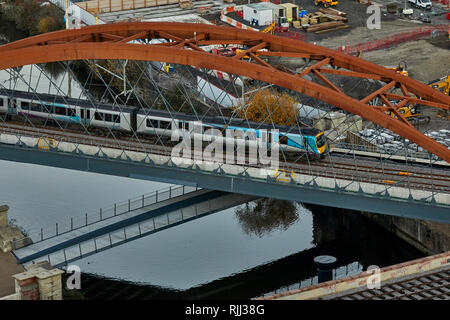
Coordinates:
<point>156,122</point>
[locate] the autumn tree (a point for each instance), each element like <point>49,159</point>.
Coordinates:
<point>269,106</point>
<point>263,216</point>
<point>47,24</point>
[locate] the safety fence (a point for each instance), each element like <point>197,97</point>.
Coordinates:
<point>415,34</point>
<point>231,21</point>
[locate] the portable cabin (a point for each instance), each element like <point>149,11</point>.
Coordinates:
<point>262,13</point>
<point>291,10</point>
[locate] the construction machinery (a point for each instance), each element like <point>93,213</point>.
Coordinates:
<point>270,29</point>
<point>410,112</point>
<point>443,85</point>
<point>326,3</point>
<point>401,68</point>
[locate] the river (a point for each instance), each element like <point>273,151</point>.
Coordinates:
<point>214,251</point>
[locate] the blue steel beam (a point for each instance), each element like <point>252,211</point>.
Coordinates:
<point>306,194</point>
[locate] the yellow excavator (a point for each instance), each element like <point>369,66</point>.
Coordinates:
<point>401,68</point>
<point>326,3</point>
<point>443,85</point>
<point>409,112</point>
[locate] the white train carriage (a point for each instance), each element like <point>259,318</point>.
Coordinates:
<point>3,104</point>
<point>46,110</point>
<point>113,119</point>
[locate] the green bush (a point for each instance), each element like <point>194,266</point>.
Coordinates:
<point>32,17</point>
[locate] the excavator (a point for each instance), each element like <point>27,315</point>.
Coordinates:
<point>443,85</point>
<point>410,112</point>
<point>401,68</point>
<point>326,3</point>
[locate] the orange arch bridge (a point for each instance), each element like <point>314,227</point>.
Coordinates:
<point>111,41</point>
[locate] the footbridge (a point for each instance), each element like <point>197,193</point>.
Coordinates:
<point>124,222</point>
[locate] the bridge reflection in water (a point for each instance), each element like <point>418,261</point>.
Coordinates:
<point>335,233</point>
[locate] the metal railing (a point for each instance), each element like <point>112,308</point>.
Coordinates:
<point>115,210</point>
<point>85,16</point>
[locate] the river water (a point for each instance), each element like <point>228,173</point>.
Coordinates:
<point>228,247</point>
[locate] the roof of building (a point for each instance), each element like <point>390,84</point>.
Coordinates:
<point>288,5</point>
<point>431,285</point>
<point>421,279</point>
<point>263,6</point>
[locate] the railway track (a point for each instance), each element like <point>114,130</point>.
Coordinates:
<point>337,167</point>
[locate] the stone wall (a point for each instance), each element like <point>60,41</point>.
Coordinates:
<point>428,237</point>
<point>40,282</point>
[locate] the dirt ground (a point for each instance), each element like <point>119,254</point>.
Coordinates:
<point>8,267</point>
<point>425,59</point>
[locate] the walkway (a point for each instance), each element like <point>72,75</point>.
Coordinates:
<point>157,212</point>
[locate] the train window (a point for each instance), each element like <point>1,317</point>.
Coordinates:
<point>283,139</point>
<point>82,113</point>
<point>164,124</point>
<point>320,141</point>
<point>88,114</point>
<point>108,117</point>
<point>36,107</point>
<point>98,116</point>
<point>49,109</point>
<point>152,123</point>
<point>71,112</point>
<point>1,103</point>
<point>60,110</point>
<point>180,124</point>
<point>116,118</point>
<point>25,105</point>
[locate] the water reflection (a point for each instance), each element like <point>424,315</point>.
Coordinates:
<point>263,216</point>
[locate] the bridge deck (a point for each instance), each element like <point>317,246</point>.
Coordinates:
<point>115,230</point>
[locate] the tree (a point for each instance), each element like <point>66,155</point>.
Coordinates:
<point>266,215</point>
<point>269,106</point>
<point>47,24</point>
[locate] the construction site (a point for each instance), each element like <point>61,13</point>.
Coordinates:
<point>407,39</point>
<point>356,93</point>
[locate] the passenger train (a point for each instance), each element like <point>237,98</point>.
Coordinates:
<point>150,122</point>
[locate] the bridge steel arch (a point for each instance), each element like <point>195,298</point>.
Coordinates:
<point>112,41</point>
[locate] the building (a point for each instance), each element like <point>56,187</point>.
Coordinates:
<point>291,10</point>
<point>262,13</point>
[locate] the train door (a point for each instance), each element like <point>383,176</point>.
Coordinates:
<point>133,120</point>
<point>12,106</point>
<point>85,115</point>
